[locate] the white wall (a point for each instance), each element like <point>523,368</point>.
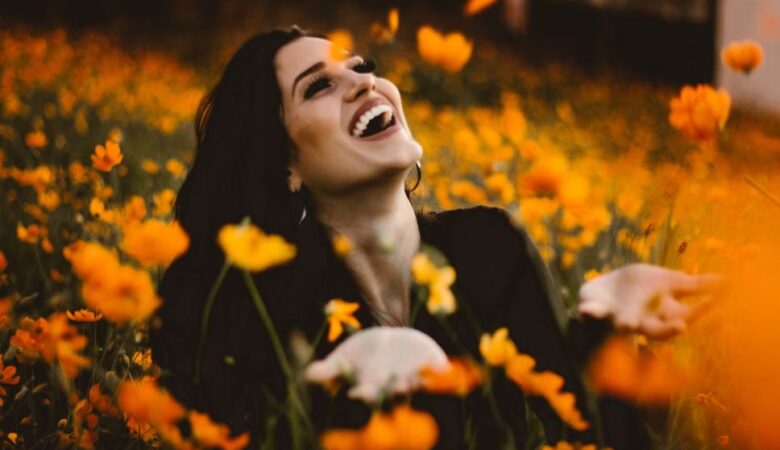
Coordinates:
<point>758,20</point>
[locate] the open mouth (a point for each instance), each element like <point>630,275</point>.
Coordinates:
<point>374,121</point>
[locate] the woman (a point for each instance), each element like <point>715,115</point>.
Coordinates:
<point>309,146</point>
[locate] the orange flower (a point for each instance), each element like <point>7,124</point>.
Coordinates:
<point>450,52</point>
<point>563,445</point>
<point>101,402</point>
<point>342,245</point>
<point>163,202</point>
<point>133,211</point>
<point>35,139</point>
<point>475,6</point>
<point>700,112</point>
<point>145,404</point>
<point>210,434</point>
<point>340,313</point>
<point>341,44</point>
<point>150,166</point>
<point>53,340</point>
<point>175,167</point>
<point>84,315</point>
<point>743,56</point>
<point>382,33</point>
<point>6,306</point>
<point>30,234</point>
<point>122,294</point>
<point>77,172</point>
<point>3,261</point>
<point>154,242</point>
<point>143,359</point>
<point>459,378</point>
<point>401,429</point>
<point>723,440</point>
<point>548,385</point>
<point>498,348</point>
<point>617,369</point>
<point>105,158</point>
<point>7,376</point>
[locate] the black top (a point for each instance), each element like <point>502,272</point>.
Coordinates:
<point>501,282</point>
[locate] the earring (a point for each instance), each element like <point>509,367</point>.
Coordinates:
<point>303,216</point>
<point>417,167</point>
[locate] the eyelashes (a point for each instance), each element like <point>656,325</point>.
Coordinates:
<point>323,81</point>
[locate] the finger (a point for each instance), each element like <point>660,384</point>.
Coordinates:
<point>683,284</point>
<point>670,308</point>
<point>325,370</point>
<point>657,328</point>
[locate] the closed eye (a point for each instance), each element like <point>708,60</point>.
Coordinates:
<point>324,81</point>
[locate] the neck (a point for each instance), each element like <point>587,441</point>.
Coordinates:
<point>381,224</point>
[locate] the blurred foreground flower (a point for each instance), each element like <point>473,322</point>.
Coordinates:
<point>106,157</point>
<point>382,33</point>
<point>700,112</point>
<point>476,6</point>
<point>402,429</point>
<point>210,434</point>
<point>619,370</point>
<point>340,313</point>
<point>498,348</point>
<point>52,339</point>
<point>155,242</point>
<point>743,56</point>
<point>381,361</point>
<point>249,248</point>
<point>450,52</point>
<point>341,44</point>
<point>459,377</point>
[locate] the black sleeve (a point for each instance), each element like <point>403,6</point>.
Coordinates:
<point>533,311</point>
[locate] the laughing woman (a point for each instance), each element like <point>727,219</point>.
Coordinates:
<point>311,147</point>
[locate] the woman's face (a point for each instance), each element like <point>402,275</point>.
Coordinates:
<point>347,125</point>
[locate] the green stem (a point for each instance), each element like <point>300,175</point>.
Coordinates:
<point>269,325</point>
<point>509,440</point>
<point>417,306</point>
<point>204,322</point>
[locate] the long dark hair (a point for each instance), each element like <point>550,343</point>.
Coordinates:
<point>240,169</point>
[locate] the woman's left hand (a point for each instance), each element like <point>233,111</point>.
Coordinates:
<point>645,299</point>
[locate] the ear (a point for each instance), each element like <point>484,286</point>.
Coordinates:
<point>294,181</point>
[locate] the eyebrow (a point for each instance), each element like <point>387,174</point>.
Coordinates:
<point>314,68</point>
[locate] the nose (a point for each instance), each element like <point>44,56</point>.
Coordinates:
<point>363,83</point>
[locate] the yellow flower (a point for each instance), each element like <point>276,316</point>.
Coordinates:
<point>700,112</point>
<point>105,158</point>
<point>475,6</point>
<point>143,359</point>
<point>498,348</point>
<point>450,52</point>
<point>154,242</point>
<point>438,280</point>
<point>743,56</point>
<point>249,248</point>
<point>340,313</point>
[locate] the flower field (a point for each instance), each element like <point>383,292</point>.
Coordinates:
<point>95,139</point>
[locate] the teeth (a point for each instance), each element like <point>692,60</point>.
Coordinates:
<point>362,122</point>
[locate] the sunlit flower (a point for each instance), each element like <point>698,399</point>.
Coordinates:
<point>498,348</point>
<point>743,56</point>
<point>386,33</point>
<point>133,211</point>
<point>458,378</point>
<point>700,112</point>
<point>122,294</point>
<point>8,376</point>
<point>340,313</point>
<point>84,315</point>
<point>154,242</point>
<point>520,369</point>
<point>100,401</point>
<point>53,340</point>
<point>210,434</point>
<point>401,429</point>
<point>451,52</point>
<point>36,139</point>
<point>30,234</point>
<point>476,6</point>
<point>143,359</point>
<point>106,157</point>
<point>144,402</point>
<point>617,369</point>
<point>249,248</point>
